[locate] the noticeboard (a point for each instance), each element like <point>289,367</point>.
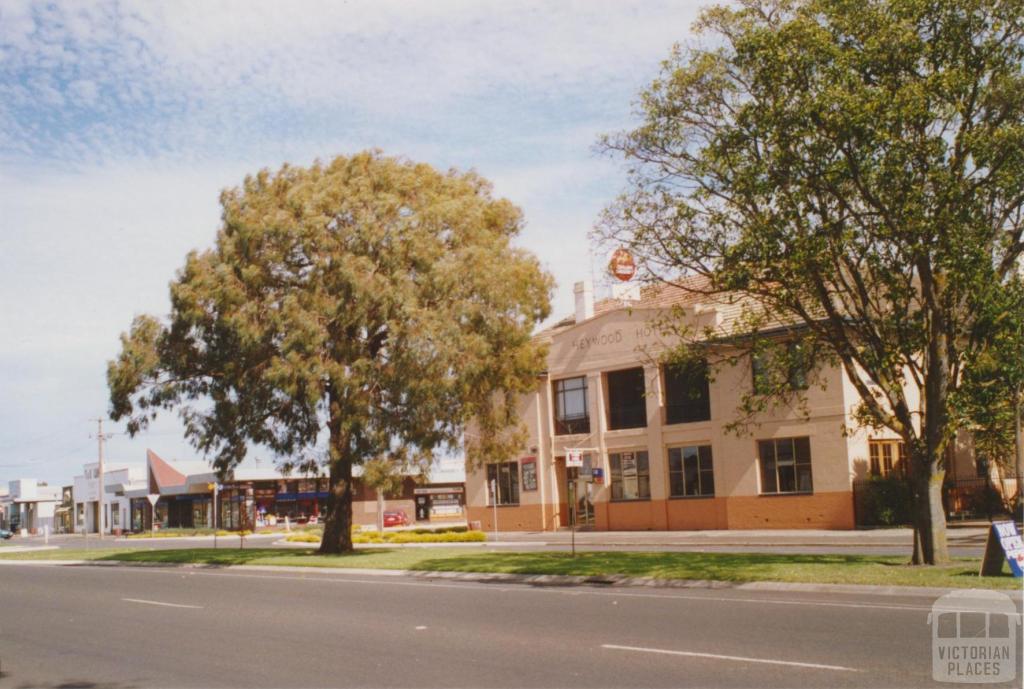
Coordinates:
<point>530,474</point>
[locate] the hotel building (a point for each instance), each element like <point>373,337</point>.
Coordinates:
<point>656,452</point>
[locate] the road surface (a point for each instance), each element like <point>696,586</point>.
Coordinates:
<point>94,627</point>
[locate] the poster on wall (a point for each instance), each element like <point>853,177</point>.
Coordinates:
<point>530,474</point>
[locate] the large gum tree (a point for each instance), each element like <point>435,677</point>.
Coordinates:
<point>362,309</point>
<point>855,168</point>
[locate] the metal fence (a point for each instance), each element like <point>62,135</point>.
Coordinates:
<point>887,501</point>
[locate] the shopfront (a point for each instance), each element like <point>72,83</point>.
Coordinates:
<point>440,502</point>
<point>300,499</point>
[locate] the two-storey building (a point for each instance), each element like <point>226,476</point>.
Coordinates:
<point>654,442</point>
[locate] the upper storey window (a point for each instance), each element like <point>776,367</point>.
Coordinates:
<point>687,397</point>
<point>571,412</point>
<point>627,407</point>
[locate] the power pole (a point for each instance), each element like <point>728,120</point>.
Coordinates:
<point>101,517</point>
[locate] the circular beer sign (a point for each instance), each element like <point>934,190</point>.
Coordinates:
<point>622,265</point>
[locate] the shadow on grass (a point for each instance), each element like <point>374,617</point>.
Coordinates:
<point>229,556</point>
<point>688,565</point>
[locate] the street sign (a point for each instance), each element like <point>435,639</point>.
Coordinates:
<point>153,497</point>
<point>573,458</point>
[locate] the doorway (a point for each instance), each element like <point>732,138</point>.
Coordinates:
<point>579,489</point>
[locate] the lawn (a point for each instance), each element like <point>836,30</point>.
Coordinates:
<point>733,567</point>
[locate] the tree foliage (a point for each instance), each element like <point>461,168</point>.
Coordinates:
<point>992,394</point>
<point>358,309</point>
<point>854,170</point>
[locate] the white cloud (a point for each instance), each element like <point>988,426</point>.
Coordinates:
<point>120,123</point>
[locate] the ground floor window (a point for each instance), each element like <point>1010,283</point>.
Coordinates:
<point>631,475</point>
<point>785,465</point>
<point>503,478</point>
<point>161,514</point>
<point>690,472</point>
<point>887,457</point>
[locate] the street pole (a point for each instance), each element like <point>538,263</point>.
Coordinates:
<point>494,502</point>
<point>572,513</point>
<point>215,487</point>
<point>99,441</point>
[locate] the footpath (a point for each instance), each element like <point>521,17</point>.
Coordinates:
<point>968,535</point>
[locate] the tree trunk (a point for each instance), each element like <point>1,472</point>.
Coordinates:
<point>338,526</point>
<point>929,515</point>
<point>380,511</point>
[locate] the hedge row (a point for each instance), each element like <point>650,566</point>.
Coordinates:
<point>415,536</point>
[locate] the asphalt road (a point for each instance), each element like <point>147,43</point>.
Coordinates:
<point>88,627</point>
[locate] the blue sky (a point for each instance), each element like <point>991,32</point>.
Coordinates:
<point>121,122</point>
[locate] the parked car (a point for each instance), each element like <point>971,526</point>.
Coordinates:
<point>396,518</point>
<point>5,534</point>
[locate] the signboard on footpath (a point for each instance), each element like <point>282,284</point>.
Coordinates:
<point>1004,541</point>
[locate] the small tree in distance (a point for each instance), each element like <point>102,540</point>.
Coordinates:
<point>385,477</point>
<point>347,311</point>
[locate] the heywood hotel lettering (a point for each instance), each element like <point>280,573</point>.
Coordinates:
<point>610,338</point>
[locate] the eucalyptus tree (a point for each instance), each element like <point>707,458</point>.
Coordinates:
<point>856,169</point>
<point>368,307</point>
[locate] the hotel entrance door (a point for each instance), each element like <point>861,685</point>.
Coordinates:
<point>579,490</point>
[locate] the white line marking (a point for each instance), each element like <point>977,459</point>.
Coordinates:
<point>166,605</point>
<point>742,659</point>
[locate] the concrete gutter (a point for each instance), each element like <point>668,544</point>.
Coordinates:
<point>609,580</point>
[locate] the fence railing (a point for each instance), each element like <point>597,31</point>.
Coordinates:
<point>887,501</point>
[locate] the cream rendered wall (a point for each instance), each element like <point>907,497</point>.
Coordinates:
<point>534,413</point>
<point>858,437</point>
<point>625,339</point>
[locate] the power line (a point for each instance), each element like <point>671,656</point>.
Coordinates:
<point>47,459</point>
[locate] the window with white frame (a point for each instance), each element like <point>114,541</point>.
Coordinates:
<point>690,472</point>
<point>785,465</point>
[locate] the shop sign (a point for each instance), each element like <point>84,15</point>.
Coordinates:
<point>628,460</point>
<point>573,458</point>
<point>597,475</point>
<point>435,490</point>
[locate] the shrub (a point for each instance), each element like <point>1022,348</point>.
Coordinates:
<point>420,536</point>
<point>887,502</point>
<point>308,537</point>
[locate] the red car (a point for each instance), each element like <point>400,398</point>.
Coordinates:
<point>396,518</point>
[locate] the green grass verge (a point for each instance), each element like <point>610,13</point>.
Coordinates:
<point>735,567</point>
